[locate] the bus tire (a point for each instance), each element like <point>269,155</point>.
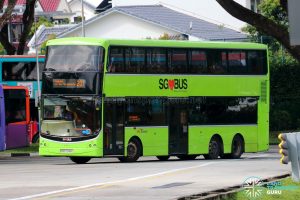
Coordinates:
<point>163,158</point>
<point>237,147</point>
<point>36,138</point>
<point>80,160</point>
<point>134,151</point>
<point>187,157</point>
<point>214,149</point>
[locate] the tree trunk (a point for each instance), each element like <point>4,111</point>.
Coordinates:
<point>28,19</point>
<point>262,24</point>
<point>10,49</point>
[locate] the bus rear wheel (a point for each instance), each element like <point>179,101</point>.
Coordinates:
<point>214,149</point>
<point>163,158</point>
<point>237,148</point>
<point>80,160</point>
<point>134,151</point>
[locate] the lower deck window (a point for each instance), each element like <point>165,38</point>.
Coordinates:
<point>223,110</point>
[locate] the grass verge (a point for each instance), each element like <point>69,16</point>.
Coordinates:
<point>287,190</point>
<point>33,148</point>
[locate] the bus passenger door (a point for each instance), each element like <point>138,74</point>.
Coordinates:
<point>113,140</point>
<point>178,128</point>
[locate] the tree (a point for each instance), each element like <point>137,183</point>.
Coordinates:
<point>42,21</point>
<point>268,26</point>
<point>27,19</point>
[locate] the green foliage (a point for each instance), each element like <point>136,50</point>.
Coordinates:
<point>166,36</point>
<point>43,46</point>
<point>272,10</point>
<point>66,21</point>
<point>285,97</point>
<point>42,20</point>
<point>291,194</point>
<point>2,50</point>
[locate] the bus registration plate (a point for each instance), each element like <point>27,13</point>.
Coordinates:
<point>66,150</point>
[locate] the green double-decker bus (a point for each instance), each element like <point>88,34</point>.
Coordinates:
<point>133,98</point>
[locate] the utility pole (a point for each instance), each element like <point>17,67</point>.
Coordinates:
<point>82,19</point>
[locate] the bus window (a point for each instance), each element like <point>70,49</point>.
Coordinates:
<point>237,62</point>
<point>20,71</point>
<point>15,106</point>
<point>73,58</point>
<point>116,60</point>
<point>178,61</point>
<point>217,62</point>
<point>223,110</point>
<point>156,60</point>
<point>143,111</point>
<point>198,62</point>
<point>257,62</point>
<point>134,60</point>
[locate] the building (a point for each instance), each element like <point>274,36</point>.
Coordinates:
<point>208,10</point>
<point>75,6</point>
<point>152,21</point>
<point>43,33</point>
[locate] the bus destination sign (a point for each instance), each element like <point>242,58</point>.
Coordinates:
<point>68,83</point>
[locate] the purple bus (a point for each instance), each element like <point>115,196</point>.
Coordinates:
<point>14,117</point>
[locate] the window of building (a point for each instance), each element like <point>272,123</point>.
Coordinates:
<point>254,5</point>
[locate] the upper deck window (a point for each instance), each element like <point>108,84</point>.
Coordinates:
<point>20,71</point>
<point>70,58</point>
<point>159,60</point>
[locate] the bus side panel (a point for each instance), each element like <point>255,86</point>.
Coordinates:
<point>199,137</point>
<point>154,139</point>
<point>88,148</point>
<point>263,121</point>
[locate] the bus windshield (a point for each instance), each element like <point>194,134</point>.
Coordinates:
<point>70,58</point>
<point>71,116</point>
<point>73,70</point>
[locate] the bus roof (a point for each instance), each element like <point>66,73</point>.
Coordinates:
<point>155,43</point>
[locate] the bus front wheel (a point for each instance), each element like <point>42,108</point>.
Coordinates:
<point>134,151</point>
<point>80,160</point>
<point>214,149</point>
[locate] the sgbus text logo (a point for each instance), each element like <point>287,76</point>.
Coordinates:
<point>173,84</point>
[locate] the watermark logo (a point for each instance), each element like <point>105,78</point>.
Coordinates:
<point>253,187</point>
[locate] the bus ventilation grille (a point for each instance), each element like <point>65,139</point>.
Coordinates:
<point>263,91</point>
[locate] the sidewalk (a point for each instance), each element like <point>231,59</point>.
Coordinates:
<point>5,155</point>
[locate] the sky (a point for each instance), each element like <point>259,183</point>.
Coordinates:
<point>94,2</point>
